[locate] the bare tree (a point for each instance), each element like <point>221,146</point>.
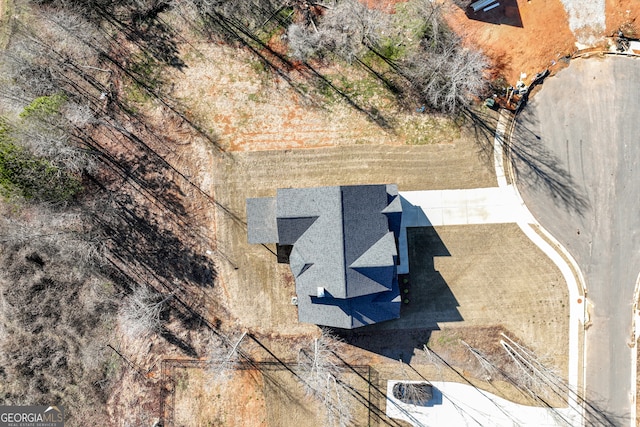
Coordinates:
<point>537,377</point>
<point>305,43</point>
<point>446,74</point>
<point>486,365</point>
<point>450,79</point>
<point>140,315</point>
<point>224,355</point>
<point>321,373</point>
<point>346,30</point>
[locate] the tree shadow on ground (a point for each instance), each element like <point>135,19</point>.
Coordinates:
<point>532,162</point>
<point>145,209</point>
<point>173,339</point>
<point>136,238</point>
<point>144,26</point>
<point>483,126</point>
<point>535,165</point>
<point>506,13</point>
<point>295,73</point>
<point>595,413</point>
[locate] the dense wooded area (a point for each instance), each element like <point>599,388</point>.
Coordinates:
<point>99,232</point>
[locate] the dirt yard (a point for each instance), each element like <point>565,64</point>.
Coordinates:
<point>269,395</point>
<point>251,109</point>
<point>519,36</point>
<point>625,15</point>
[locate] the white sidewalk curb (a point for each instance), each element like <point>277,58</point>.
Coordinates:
<point>578,302</point>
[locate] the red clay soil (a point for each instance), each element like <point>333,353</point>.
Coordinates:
<point>623,14</point>
<point>519,36</point>
<point>384,5</point>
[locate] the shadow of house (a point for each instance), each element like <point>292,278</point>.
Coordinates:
<point>428,298</point>
<point>341,245</point>
<point>498,12</point>
<point>351,274</point>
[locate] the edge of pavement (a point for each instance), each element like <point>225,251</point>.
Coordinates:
<point>578,303</point>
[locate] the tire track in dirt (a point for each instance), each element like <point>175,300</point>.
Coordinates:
<point>441,165</point>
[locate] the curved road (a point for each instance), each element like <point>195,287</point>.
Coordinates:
<point>576,152</point>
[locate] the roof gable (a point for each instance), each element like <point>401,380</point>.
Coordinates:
<point>344,244</point>
<point>290,229</point>
<point>380,253</point>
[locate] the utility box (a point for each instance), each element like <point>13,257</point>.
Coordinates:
<point>481,4</point>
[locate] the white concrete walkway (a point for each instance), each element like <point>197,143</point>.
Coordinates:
<point>495,205</point>
<point>465,405</point>
<point>456,404</point>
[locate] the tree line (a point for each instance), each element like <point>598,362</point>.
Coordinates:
<point>98,227</point>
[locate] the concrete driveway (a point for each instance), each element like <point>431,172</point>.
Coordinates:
<point>576,149</point>
<point>492,205</point>
<point>455,404</point>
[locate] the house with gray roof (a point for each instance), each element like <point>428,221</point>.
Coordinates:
<point>341,245</point>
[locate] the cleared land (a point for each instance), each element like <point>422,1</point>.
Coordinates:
<point>277,137</point>
<point>266,396</point>
<point>495,275</point>
<point>519,36</point>
<point>250,108</point>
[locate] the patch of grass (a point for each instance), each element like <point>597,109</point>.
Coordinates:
<point>412,26</point>
<point>43,106</point>
<point>136,94</point>
<point>428,129</point>
<point>27,176</point>
<point>111,366</point>
<point>258,66</point>
<point>148,73</point>
<point>327,92</point>
<point>182,380</point>
<point>364,89</point>
<point>445,338</point>
<point>6,11</point>
<point>255,97</point>
<point>390,48</point>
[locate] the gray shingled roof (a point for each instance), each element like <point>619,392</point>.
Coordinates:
<point>344,248</point>
<point>261,220</point>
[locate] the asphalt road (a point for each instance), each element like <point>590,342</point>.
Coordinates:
<point>577,157</point>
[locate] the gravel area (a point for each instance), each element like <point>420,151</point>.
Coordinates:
<point>586,20</point>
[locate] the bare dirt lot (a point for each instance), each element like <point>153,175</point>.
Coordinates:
<point>625,15</point>
<point>519,36</point>
<point>251,109</point>
<point>268,395</point>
